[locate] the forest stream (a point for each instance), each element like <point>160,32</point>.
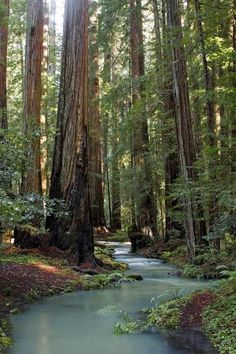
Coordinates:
<point>83,322</point>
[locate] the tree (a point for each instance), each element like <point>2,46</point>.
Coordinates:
<point>184,131</point>
<point>69,180</point>
<point>4,14</point>
<point>31,179</point>
<point>146,210</point>
<point>95,149</point>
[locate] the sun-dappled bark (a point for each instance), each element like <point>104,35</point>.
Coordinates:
<point>70,164</point>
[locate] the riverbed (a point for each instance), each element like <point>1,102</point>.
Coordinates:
<point>82,322</point>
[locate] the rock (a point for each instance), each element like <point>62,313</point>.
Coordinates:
<point>139,240</point>
<point>135,277</point>
<point>85,271</point>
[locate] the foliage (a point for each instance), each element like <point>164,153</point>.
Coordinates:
<point>5,340</point>
<point>220,324</point>
<point>208,264</point>
<point>127,326</point>
<point>17,210</point>
<point>166,315</point>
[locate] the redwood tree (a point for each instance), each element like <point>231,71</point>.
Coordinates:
<point>95,149</point>
<point>4,13</point>
<point>32,180</point>
<point>146,210</point>
<point>69,180</point>
<point>184,129</point>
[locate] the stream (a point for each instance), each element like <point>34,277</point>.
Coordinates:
<point>82,322</point>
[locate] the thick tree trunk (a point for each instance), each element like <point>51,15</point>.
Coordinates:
<point>184,130</point>
<point>32,180</point>
<point>95,148</point>
<point>4,14</point>
<point>70,164</point>
<point>145,205</point>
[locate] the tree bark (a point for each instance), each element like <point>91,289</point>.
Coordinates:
<point>145,205</point>
<point>95,148</point>
<point>4,15</point>
<point>69,180</point>
<point>185,140</point>
<point>31,179</point>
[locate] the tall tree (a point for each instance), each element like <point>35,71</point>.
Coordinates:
<point>146,210</point>
<point>184,130</point>
<point>210,109</point>
<point>4,14</point>
<point>95,148</point>
<point>69,180</point>
<point>32,180</point>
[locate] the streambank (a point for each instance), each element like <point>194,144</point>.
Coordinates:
<point>85,320</point>
<point>212,311</point>
<point>27,276</point>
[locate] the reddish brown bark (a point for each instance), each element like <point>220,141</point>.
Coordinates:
<point>145,205</point>
<point>184,130</point>
<point>69,180</point>
<point>4,14</point>
<point>32,180</point>
<point>95,148</point>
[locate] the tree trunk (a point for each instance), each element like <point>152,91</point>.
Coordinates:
<point>210,110</point>
<point>95,152</point>
<point>4,14</point>
<point>32,180</point>
<point>184,130</point>
<point>69,180</point>
<point>105,127</point>
<point>115,183</point>
<point>145,205</point>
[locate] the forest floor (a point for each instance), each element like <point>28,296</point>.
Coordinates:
<point>212,311</point>
<point>28,275</point>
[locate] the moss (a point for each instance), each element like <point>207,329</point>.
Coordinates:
<point>119,236</point>
<point>105,255</point>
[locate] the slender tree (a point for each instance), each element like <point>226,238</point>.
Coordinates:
<point>69,180</point>
<point>4,14</point>
<point>95,148</point>
<point>32,180</point>
<point>146,211</point>
<point>184,130</point>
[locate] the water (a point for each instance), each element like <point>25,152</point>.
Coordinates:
<point>82,323</point>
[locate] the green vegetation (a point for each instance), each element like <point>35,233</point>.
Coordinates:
<point>219,321</point>
<point>5,339</point>
<point>213,311</point>
<point>208,264</point>
<point>166,315</point>
<point>119,236</point>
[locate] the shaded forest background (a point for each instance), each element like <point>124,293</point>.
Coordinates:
<point>149,88</point>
